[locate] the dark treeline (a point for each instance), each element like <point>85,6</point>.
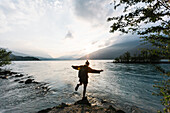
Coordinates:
<point>143,57</point>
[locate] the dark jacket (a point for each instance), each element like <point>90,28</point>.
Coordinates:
<point>83,72</point>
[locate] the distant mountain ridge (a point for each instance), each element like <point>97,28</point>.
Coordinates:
<point>116,50</point>
<point>23,58</point>
<point>17,56</point>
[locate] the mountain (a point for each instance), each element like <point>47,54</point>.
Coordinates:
<point>116,50</point>
<point>45,56</point>
<point>19,54</point>
<point>23,58</point>
<point>66,58</point>
<point>48,58</point>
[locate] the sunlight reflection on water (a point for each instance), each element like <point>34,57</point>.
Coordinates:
<point>129,84</point>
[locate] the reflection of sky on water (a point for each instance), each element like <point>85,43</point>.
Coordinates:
<point>123,84</point>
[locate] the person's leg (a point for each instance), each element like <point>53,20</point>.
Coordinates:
<point>84,91</point>
<point>76,88</point>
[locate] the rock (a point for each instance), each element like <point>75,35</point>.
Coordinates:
<point>84,101</point>
<point>45,110</point>
<point>35,82</point>
<point>120,111</point>
<point>103,101</point>
<point>21,82</point>
<point>28,81</point>
<point>5,72</point>
<point>80,108</point>
<point>3,77</point>
<point>111,108</point>
<point>19,75</point>
<point>135,109</point>
<point>62,105</point>
<point>13,72</point>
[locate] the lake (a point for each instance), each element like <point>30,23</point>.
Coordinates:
<point>123,85</point>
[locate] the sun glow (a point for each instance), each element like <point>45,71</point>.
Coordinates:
<point>90,49</point>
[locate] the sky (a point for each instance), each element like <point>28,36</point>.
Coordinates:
<point>56,28</point>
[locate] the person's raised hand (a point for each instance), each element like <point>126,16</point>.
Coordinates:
<point>101,70</point>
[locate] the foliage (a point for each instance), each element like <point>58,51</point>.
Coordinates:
<point>164,87</point>
<point>4,57</point>
<point>150,20</point>
<point>138,15</point>
<point>143,57</point>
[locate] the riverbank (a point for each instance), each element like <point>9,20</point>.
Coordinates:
<point>81,106</point>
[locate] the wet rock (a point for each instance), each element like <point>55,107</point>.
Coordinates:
<point>21,82</point>
<point>28,81</point>
<point>3,77</point>
<point>45,110</point>
<point>19,75</point>
<point>14,73</point>
<point>80,108</point>
<point>120,111</point>
<point>35,82</point>
<point>5,72</point>
<point>62,105</point>
<point>135,109</point>
<point>103,101</point>
<point>111,109</point>
<point>84,101</point>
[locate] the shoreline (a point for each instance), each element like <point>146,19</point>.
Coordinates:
<point>82,106</point>
<point>143,62</point>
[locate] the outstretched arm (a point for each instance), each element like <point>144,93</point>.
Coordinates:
<point>93,70</point>
<point>76,67</point>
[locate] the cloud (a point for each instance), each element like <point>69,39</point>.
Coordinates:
<point>95,11</point>
<point>21,13</point>
<point>69,35</point>
<point>107,42</point>
<point>94,42</point>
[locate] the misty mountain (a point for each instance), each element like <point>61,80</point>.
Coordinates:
<point>116,50</point>
<point>24,55</point>
<point>23,58</point>
<point>66,58</point>
<point>19,54</point>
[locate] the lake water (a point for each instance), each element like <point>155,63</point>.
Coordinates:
<point>124,85</point>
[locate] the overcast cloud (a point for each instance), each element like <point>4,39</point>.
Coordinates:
<point>41,25</point>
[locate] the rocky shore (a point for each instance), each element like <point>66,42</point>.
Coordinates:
<point>81,106</point>
<point>20,78</point>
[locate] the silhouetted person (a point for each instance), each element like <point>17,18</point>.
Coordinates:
<point>83,75</point>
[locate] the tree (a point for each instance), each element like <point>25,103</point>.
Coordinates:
<point>116,59</point>
<point>121,59</point>
<point>127,56</point>
<point>4,57</point>
<point>134,58</point>
<point>137,18</point>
